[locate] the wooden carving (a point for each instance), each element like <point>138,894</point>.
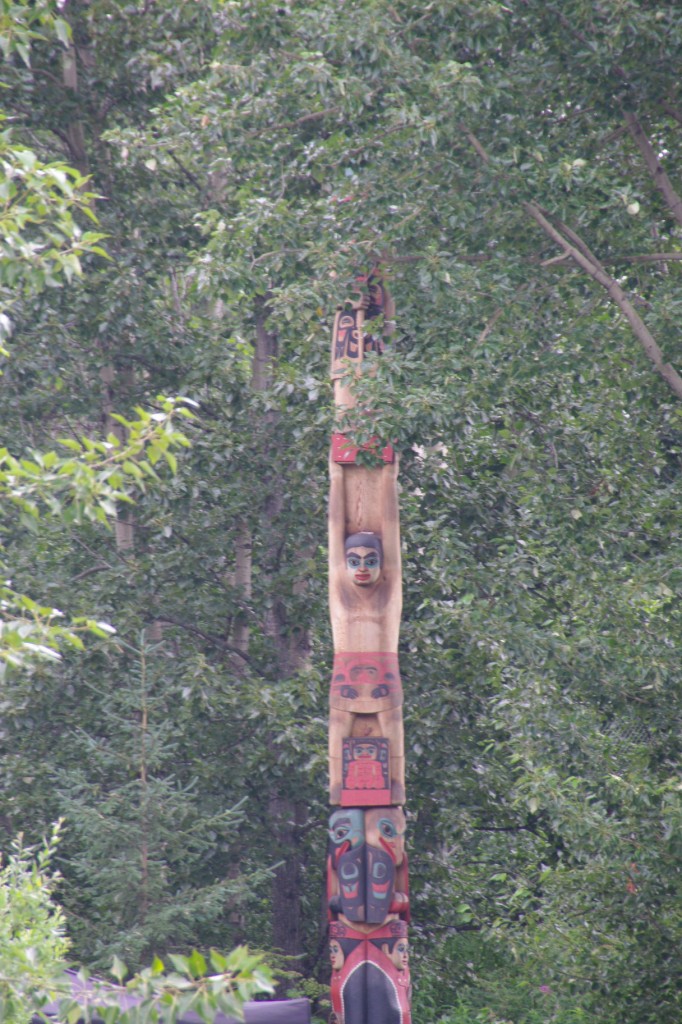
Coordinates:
<point>367,865</point>
<point>350,343</point>
<point>370,974</point>
<point>367,879</point>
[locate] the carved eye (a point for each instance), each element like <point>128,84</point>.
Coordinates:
<point>349,872</point>
<point>380,691</point>
<point>339,833</point>
<point>349,691</point>
<point>353,562</point>
<point>387,828</point>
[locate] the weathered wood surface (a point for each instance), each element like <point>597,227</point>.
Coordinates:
<point>353,336</point>
<point>364,500</point>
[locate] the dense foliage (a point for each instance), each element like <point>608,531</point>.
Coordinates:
<point>515,169</point>
<point>34,946</point>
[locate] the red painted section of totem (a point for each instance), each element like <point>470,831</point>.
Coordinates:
<point>366,772</point>
<point>370,974</point>
<point>365,682</point>
<point>345,452</point>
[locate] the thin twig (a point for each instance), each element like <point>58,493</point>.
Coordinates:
<point>208,637</point>
<point>584,258</point>
<point>90,571</point>
<point>660,178</point>
<point>185,170</point>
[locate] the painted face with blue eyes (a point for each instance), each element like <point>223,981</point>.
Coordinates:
<point>385,829</point>
<point>364,557</point>
<point>336,955</point>
<point>347,828</point>
<point>363,565</point>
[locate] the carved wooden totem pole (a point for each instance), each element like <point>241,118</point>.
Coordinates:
<point>367,884</point>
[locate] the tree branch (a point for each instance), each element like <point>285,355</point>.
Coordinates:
<point>672,111</point>
<point>89,572</point>
<point>489,325</point>
<point>581,254</point>
<point>661,179</point>
<point>188,174</point>
<point>478,146</point>
<point>652,257</point>
<point>500,828</point>
<point>315,115</point>
<point>215,640</point>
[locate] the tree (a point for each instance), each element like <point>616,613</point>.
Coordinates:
<point>253,156</point>
<point>34,947</point>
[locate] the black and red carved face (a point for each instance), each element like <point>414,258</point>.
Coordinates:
<point>347,838</point>
<point>380,884</point>
<point>364,681</point>
<point>347,343</point>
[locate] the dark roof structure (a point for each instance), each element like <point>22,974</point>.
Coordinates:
<point>284,1011</point>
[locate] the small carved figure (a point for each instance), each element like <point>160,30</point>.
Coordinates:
<point>347,334</point>
<point>336,955</point>
<point>366,778</point>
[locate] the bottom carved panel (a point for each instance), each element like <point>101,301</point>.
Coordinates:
<point>370,974</point>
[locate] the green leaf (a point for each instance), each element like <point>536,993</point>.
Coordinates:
<point>119,970</point>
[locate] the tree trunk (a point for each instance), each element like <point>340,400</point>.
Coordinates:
<point>291,651</point>
<point>74,133</point>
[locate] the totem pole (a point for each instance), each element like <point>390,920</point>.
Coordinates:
<point>367,885</point>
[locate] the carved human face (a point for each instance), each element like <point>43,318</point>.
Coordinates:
<point>363,565</point>
<point>366,751</point>
<point>401,955</point>
<point>336,955</point>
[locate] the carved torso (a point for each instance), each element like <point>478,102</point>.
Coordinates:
<point>365,619</point>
